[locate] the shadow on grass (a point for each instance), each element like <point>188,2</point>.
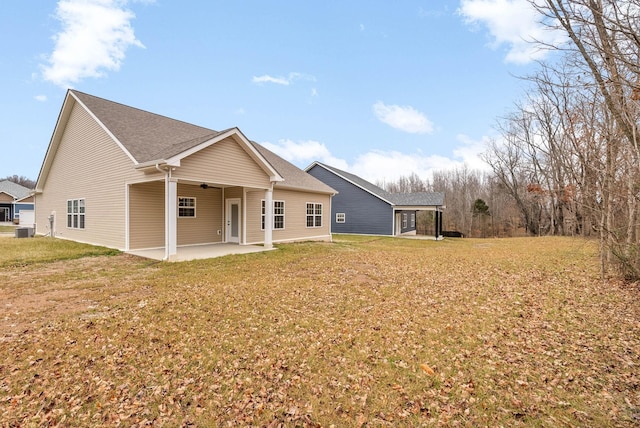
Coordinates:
<point>27,251</point>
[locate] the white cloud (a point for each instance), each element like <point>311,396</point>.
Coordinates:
<point>384,166</point>
<point>94,37</point>
<point>404,118</point>
<point>280,80</point>
<point>470,150</point>
<point>514,23</point>
<point>388,166</point>
<point>303,153</point>
<point>41,98</point>
<point>270,79</point>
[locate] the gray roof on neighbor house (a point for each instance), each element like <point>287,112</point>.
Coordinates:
<point>418,198</point>
<point>14,190</point>
<point>396,199</point>
<point>150,137</point>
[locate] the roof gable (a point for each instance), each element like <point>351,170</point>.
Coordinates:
<point>357,181</point>
<point>15,190</point>
<point>395,199</point>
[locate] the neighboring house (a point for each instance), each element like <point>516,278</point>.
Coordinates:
<point>125,178</point>
<point>361,207</point>
<point>13,199</point>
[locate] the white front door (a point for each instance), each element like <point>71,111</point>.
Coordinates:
<point>233,220</point>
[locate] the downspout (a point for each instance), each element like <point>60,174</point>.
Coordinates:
<point>166,215</point>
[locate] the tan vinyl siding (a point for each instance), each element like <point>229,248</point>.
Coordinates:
<point>204,227</point>
<point>147,223</point>
<point>295,216</point>
<point>233,192</point>
<point>28,200</point>
<point>5,198</point>
<point>146,215</point>
<point>88,165</point>
<point>224,162</point>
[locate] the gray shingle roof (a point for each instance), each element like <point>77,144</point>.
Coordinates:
<point>418,198</point>
<point>146,136</point>
<point>150,137</point>
<point>13,189</point>
<point>397,199</point>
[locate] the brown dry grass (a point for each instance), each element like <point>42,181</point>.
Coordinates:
<point>361,332</point>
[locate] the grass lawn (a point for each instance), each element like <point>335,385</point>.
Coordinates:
<point>7,229</point>
<point>361,332</point>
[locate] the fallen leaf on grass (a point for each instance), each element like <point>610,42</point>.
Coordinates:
<point>428,370</point>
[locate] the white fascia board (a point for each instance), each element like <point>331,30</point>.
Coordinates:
<point>113,137</point>
<point>283,186</point>
<point>158,163</point>
<point>416,207</point>
<point>56,136</point>
<point>314,163</point>
<point>23,198</point>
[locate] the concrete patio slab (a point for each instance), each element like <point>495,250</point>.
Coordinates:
<point>196,252</point>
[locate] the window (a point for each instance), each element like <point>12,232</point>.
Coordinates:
<point>278,214</point>
<point>314,215</point>
<point>404,220</point>
<point>186,207</point>
<point>413,219</point>
<point>75,213</point>
<point>340,217</point>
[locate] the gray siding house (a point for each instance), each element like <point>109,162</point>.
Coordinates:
<point>361,207</point>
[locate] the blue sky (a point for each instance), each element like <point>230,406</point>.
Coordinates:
<point>381,89</point>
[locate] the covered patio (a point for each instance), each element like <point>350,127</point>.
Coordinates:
<point>197,252</point>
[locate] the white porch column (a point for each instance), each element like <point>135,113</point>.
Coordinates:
<point>171,220</point>
<point>268,218</point>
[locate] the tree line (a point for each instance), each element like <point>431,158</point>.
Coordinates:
<point>21,180</point>
<point>568,158</point>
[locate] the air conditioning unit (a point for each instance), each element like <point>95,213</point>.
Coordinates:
<point>24,232</point>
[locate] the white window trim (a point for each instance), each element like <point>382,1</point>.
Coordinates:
<point>404,220</point>
<point>344,218</point>
<point>77,214</point>
<point>274,215</point>
<point>314,215</point>
<point>413,219</point>
<point>188,207</point>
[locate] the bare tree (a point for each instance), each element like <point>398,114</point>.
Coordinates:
<point>605,43</point>
<point>21,180</point>
<point>574,142</point>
